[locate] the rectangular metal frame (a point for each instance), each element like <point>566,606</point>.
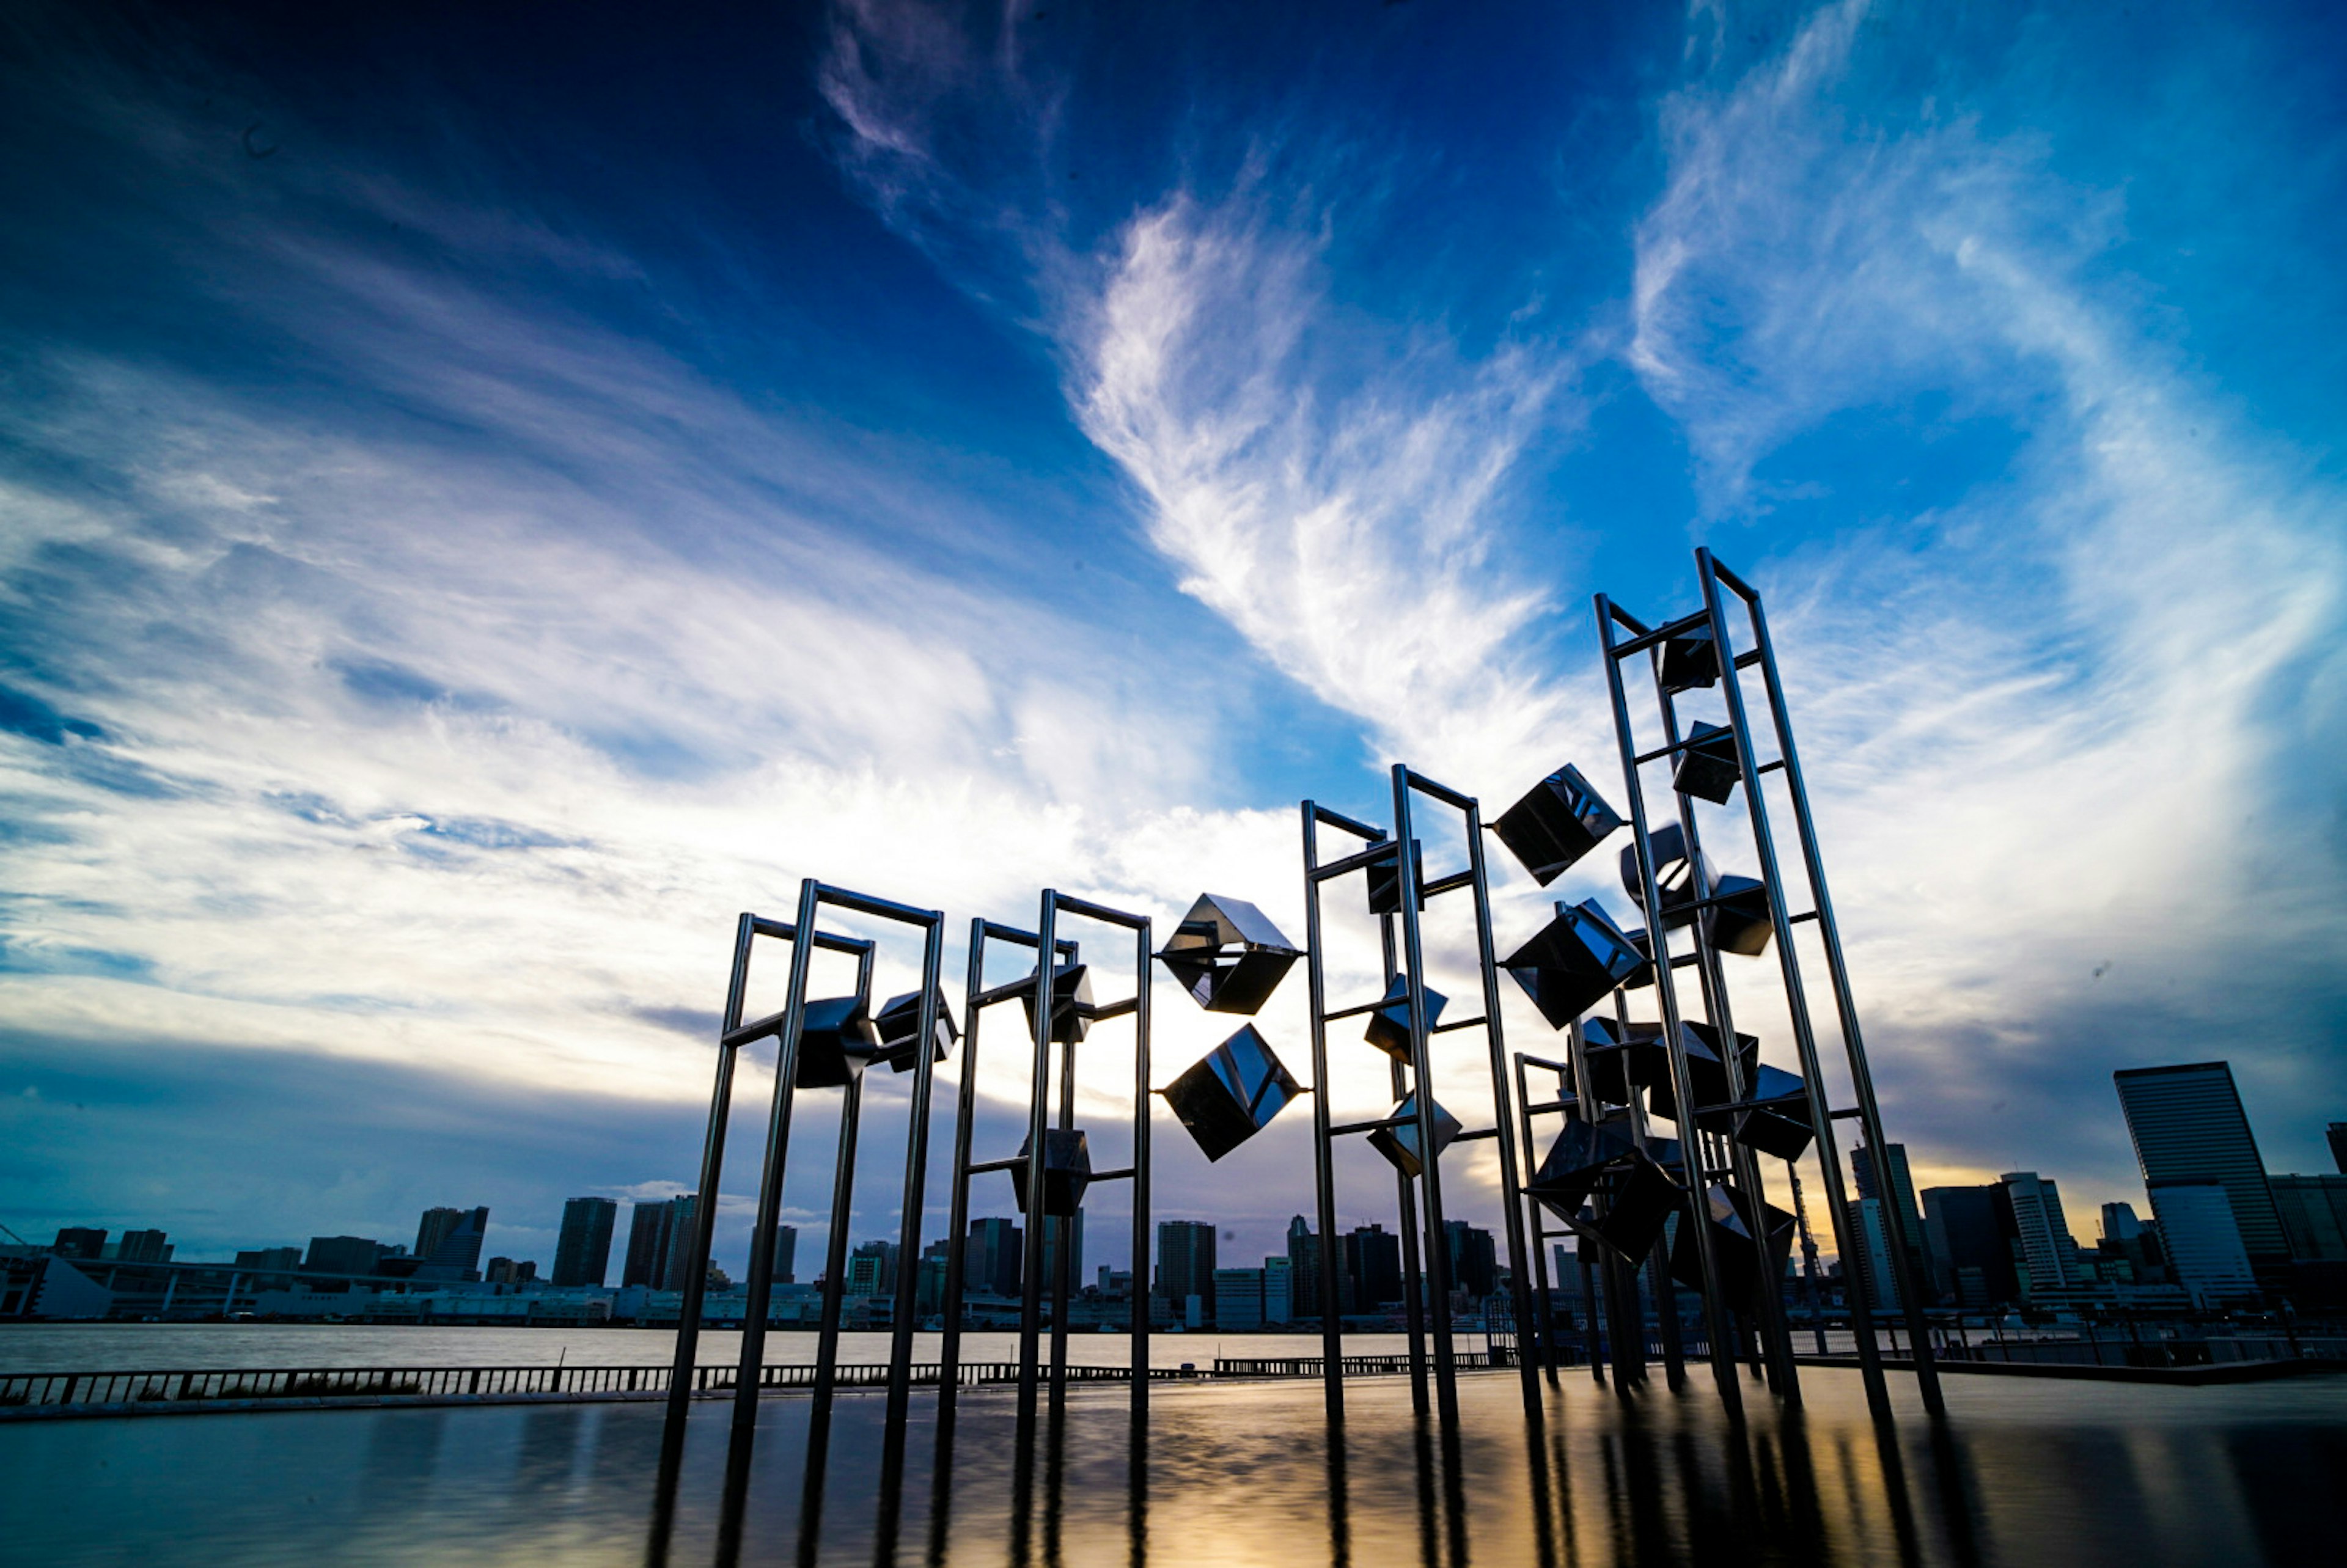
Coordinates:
<point>787,1027</point>
<point>1411,886</point>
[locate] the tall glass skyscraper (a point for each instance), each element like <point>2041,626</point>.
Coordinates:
<point>582,1251</point>
<point>2188,1126</point>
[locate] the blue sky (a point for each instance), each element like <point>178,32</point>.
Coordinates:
<point>484,499</point>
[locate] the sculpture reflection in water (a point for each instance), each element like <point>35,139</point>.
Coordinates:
<point>1214,1476</point>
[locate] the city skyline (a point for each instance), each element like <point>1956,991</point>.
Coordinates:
<point>446,580</point>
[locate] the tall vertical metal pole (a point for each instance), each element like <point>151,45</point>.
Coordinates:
<point>1543,1309</point>
<point>705,1207</point>
<point>760,1287</point>
<point>1407,880</point>
<point>1412,1224</point>
<point>1064,1231</point>
<point>1927,1374</point>
<point>916,1181</point>
<point>1511,1175</point>
<point>1143,1107</point>
<point>843,1216</point>
<point>1031,1305</point>
<point>958,1209</point>
<point>1324,1179</point>
<point>1722,1348</point>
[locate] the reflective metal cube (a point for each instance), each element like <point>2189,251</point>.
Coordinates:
<point>1638,1199</point>
<point>1707,768</point>
<point>1739,915</point>
<point>1622,1058</point>
<point>1558,822</point>
<point>1676,875</point>
<point>1706,1076</point>
<point>899,1024</point>
<point>836,1044</point>
<point>1066,1172</point>
<point>1388,1027</point>
<point>1574,962</point>
<point>1400,1143</point>
<point>1228,955</point>
<point>1071,1001</point>
<point>1747,1266</point>
<point>1231,1093</point>
<point>1575,1166</point>
<point>1690,660</point>
<point>1385,881</point>
<point>1778,1122</point>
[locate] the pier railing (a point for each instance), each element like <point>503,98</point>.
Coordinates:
<point>197,1386</point>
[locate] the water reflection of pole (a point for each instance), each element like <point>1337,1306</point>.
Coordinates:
<point>1340,1523</point>
<point>1429,1534</point>
<point>1136,1492</point>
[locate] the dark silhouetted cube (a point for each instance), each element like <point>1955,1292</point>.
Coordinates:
<point>900,1030</point>
<point>1388,1027</point>
<point>1071,1001</point>
<point>1707,768</point>
<point>1228,955</point>
<point>1385,881</point>
<point>1622,1058</point>
<point>1746,1265</point>
<point>1706,1075</point>
<point>1778,1122</point>
<point>1637,1199</point>
<point>1231,1093</point>
<point>1561,820</point>
<point>1066,1172</point>
<point>1690,660</point>
<point>1675,876</point>
<point>836,1044</point>
<point>1574,961</point>
<point>1400,1143</point>
<point>1739,916</point>
<point>1575,1166</point>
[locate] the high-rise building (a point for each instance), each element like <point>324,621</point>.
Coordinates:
<point>79,1241</point>
<point>929,1281</point>
<point>435,1225</point>
<point>1971,1232</point>
<point>582,1251</point>
<point>1474,1260</point>
<point>2200,1230</point>
<point>2313,1216</point>
<point>143,1246</point>
<point>872,1270</point>
<point>993,1264</point>
<point>343,1255</point>
<point>455,1253</point>
<point>2047,1249</point>
<point>1902,1189</point>
<point>649,1230</point>
<point>1278,1290</point>
<point>2337,1133</point>
<point>1185,1264</point>
<point>2120,1224</point>
<point>1238,1300</point>
<point>1867,1222</point>
<point>787,1248</point>
<point>1375,1255</point>
<point>2188,1126</point>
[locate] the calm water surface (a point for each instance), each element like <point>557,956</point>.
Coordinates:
<point>2024,1472</point>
